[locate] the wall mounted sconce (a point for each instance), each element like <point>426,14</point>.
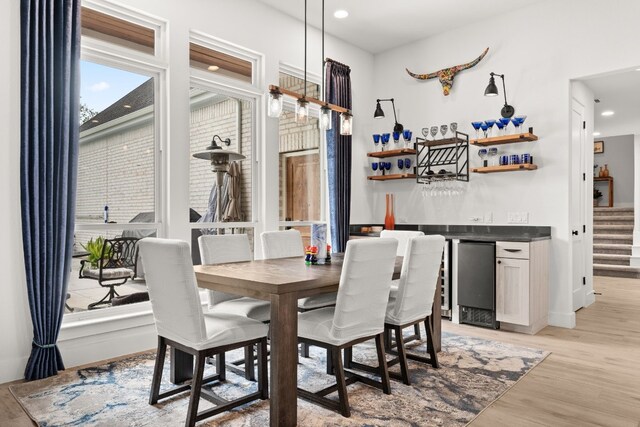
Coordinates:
<point>378,114</point>
<point>226,141</point>
<point>492,90</point>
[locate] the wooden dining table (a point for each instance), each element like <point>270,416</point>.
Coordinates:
<point>282,282</point>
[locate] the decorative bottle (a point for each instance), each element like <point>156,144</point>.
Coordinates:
<point>605,171</point>
<point>389,219</point>
<point>601,173</point>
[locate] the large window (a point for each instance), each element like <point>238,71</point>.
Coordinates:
<point>300,165</point>
<point>118,160</point>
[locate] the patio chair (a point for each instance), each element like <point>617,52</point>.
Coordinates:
<point>116,266</point>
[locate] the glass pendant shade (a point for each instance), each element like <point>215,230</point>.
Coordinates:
<point>346,124</point>
<point>302,111</point>
<point>325,118</point>
<point>274,108</point>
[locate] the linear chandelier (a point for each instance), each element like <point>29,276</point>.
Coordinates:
<point>277,93</point>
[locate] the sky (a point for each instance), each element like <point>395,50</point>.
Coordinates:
<point>101,86</point>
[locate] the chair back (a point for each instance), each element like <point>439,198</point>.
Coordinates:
<point>119,252</point>
<point>282,244</point>
<point>364,288</point>
<point>419,278</point>
<point>219,249</point>
<point>402,236</point>
<point>173,290</point>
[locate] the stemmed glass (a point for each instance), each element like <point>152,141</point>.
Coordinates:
<point>493,152</point>
<point>485,129</point>
<point>400,164</point>
<point>500,127</point>
<point>387,166</point>
<point>516,124</point>
<point>521,119</point>
<point>477,126</point>
<point>406,135</point>
<point>443,130</point>
<point>385,139</point>
<point>505,122</point>
<point>483,155</point>
<point>376,140</point>
<point>434,132</point>
<point>425,133</point>
<point>490,124</point>
<point>396,138</point>
<point>454,128</point>
<point>374,166</point>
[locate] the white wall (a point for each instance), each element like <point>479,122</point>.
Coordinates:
<point>539,49</point>
<point>618,156</point>
<point>246,23</point>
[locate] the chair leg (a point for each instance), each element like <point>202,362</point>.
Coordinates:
<point>345,410</point>
<point>304,350</point>
<point>157,371</point>
<point>330,365</point>
<point>416,330</point>
<point>263,375</point>
<point>348,357</point>
<point>221,368</point>
<point>433,354</point>
<point>404,370</point>
<point>196,388</point>
<point>249,367</point>
<point>387,339</point>
<point>382,361</point>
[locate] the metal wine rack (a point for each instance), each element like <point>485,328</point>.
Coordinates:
<point>451,154</point>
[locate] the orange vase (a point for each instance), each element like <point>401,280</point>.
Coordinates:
<point>606,171</point>
<point>389,219</point>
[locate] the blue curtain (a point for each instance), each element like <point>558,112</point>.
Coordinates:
<point>50,59</point>
<point>338,92</point>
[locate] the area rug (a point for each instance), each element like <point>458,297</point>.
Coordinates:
<point>474,372</point>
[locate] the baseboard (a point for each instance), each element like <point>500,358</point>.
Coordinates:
<point>562,320</point>
<point>590,298</point>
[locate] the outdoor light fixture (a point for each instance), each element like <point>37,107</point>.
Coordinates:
<point>275,101</point>
<point>492,90</point>
<point>378,114</point>
<point>219,159</point>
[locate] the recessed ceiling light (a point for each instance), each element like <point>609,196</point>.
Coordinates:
<point>608,113</point>
<point>126,106</point>
<point>596,134</point>
<point>637,69</point>
<point>341,14</point>
<point>213,68</point>
<point>95,121</point>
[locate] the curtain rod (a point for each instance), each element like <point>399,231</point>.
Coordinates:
<point>336,62</point>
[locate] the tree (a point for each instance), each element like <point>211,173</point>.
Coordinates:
<point>86,112</point>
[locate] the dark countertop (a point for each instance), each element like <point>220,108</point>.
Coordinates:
<point>484,233</point>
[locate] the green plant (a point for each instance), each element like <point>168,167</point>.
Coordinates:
<point>596,194</point>
<point>94,248</point>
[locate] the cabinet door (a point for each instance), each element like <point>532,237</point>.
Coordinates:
<point>512,291</point>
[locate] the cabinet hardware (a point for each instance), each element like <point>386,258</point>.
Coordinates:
<point>499,262</point>
<point>513,250</point>
<point>574,232</point>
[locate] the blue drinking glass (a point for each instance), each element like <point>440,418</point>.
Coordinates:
<point>476,126</point>
<point>407,134</point>
<point>500,127</point>
<point>396,139</point>
<point>516,124</point>
<point>385,139</point>
<point>514,159</point>
<point>374,166</point>
<point>400,164</point>
<point>490,124</point>
<point>485,128</point>
<point>387,166</point>
<point>504,160</point>
<point>407,163</point>
<point>376,140</point>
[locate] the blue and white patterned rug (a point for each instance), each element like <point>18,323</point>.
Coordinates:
<point>474,372</point>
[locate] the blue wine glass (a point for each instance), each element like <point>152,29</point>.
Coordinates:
<point>376,140</point>
<point>407,164</point>
<point>483,155</point>
<point>476,126</point>
<point>374,166</point>
<point>521,119</point>
<point>516,124</point>
<point>387,166</point>
<point>490,124</point>
<point>407,134</point>
<point>385,139</point>
<point>505,121</point>
<point>485,128</point>
<point>500,127</point>
<point>400,164</point>
<point>396,138</point>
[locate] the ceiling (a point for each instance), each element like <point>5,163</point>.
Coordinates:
<point>380,25</point>
<point>620,93</point>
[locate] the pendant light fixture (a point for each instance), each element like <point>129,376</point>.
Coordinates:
<point>276,94</point>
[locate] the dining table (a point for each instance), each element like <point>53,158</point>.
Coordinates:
<point>281,282</point>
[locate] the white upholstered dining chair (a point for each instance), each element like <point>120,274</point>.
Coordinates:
<point>181,324</point>
<point>358,316</point>
<point>224,248</point>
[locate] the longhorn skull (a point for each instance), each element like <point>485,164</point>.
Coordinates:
<point>446,75</point>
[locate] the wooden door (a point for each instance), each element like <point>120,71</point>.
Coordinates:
<point>303,191</point>
<point>512,291</point>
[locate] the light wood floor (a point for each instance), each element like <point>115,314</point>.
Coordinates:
<point>591,378</point>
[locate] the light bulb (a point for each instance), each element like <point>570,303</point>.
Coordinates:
<point>325,118</point>
<point>346,124</point>
<point>274,108</point>
<point>302,111</point>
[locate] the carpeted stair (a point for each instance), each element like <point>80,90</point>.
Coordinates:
<point>612,240</point>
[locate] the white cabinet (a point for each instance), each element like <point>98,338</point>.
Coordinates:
<point>522,282</point>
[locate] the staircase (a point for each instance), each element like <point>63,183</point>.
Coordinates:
<point>612,240</point>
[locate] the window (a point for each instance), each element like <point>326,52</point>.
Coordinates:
<point>300,165</point>
<point>119,162</point>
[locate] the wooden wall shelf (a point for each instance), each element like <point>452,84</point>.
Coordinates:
<point>392,177</point>
<point>506,139</point>
<point>505,168</point>
<point>392,153</point>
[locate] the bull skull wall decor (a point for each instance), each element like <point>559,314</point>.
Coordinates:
<point>446,75</point>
